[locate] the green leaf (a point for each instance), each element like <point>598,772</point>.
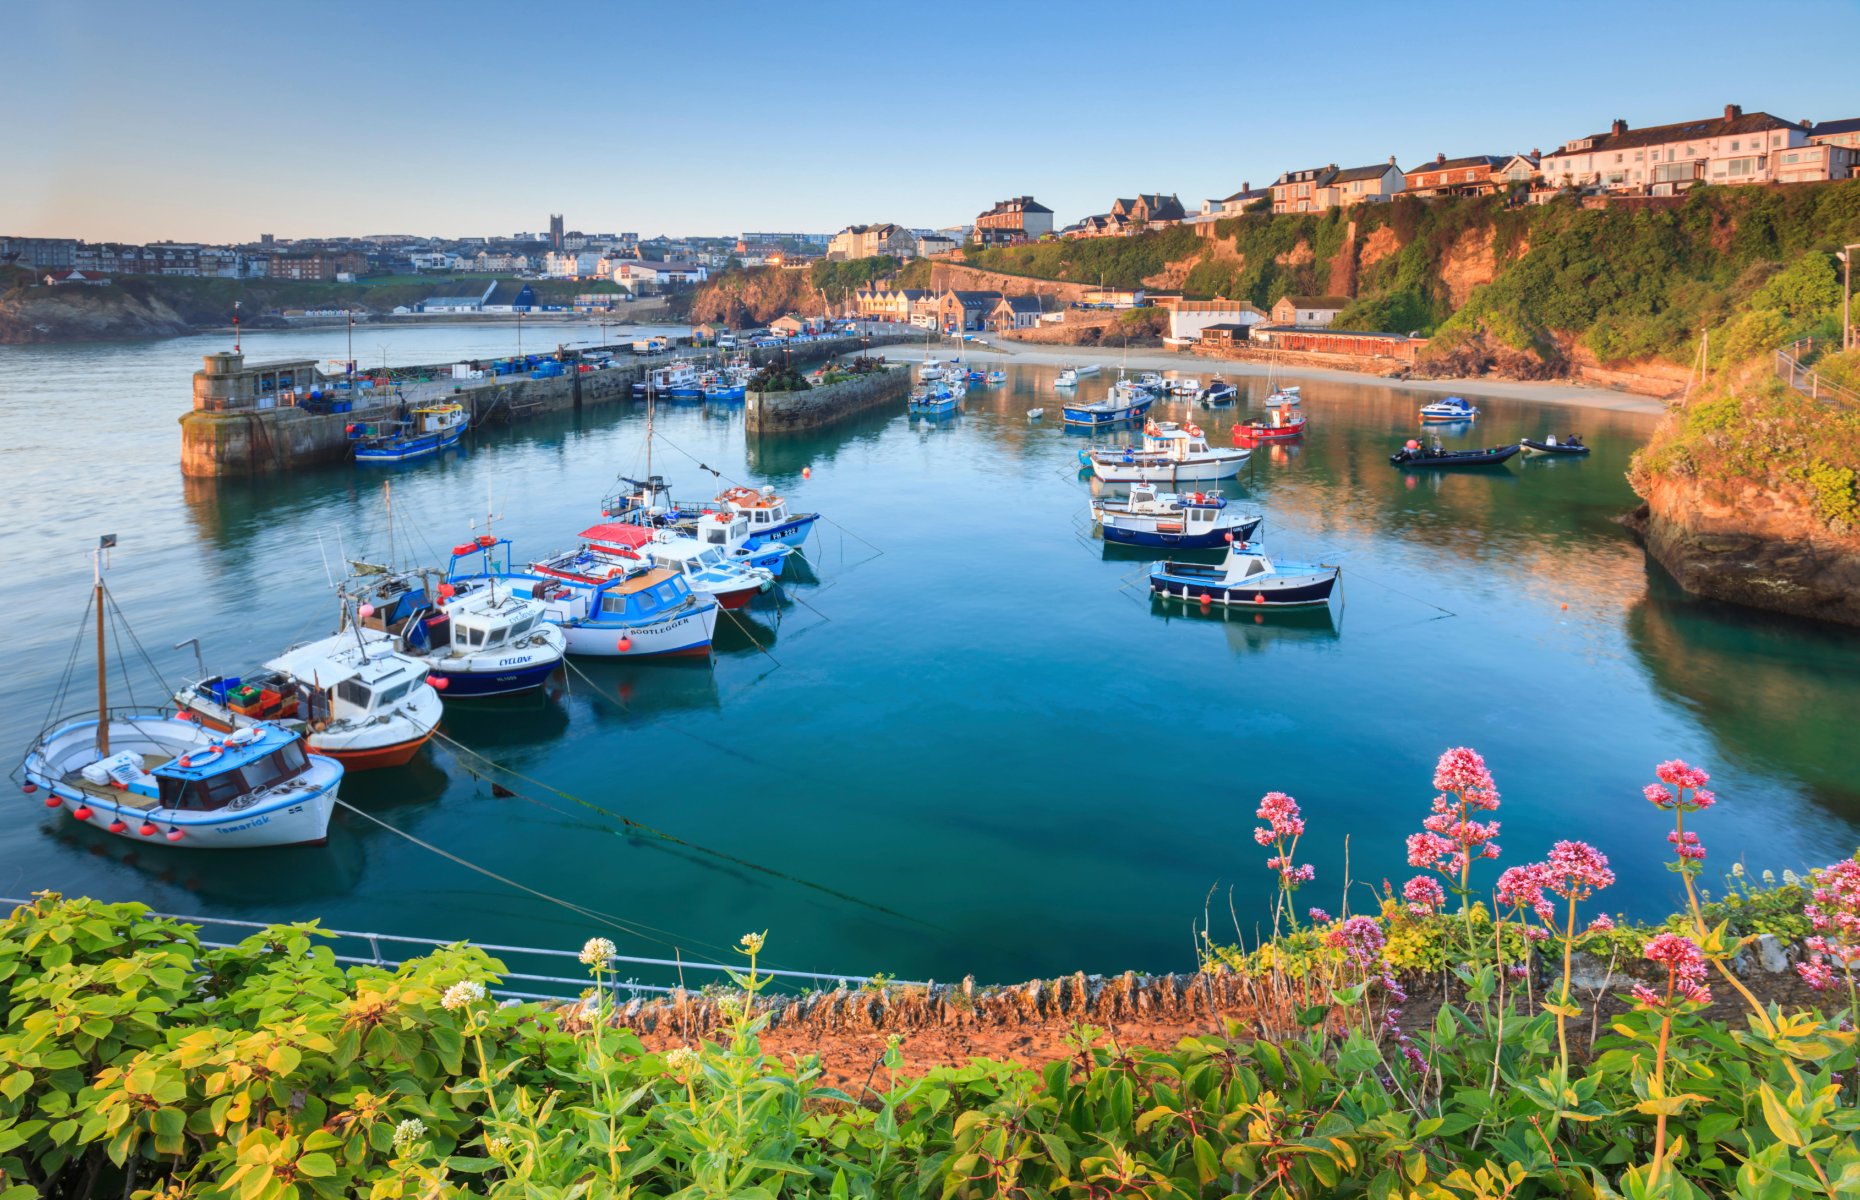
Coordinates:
<point>317,1166</point>
<point>1781,1123</point>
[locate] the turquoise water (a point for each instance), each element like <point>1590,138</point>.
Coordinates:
<point>969,720</point>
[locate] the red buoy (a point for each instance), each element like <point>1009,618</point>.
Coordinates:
<point>174,835</point>
<point>186,762</point>
<point>1229,535</point>
<point>625,645</point>
<point>118,825</point>
<point>147,830</point>
<point>1259,597</point>
<point>807,472</point>
<point>29,787</point>
<point>1207,601</point>
<point>437,682</point>
<point>53,802</point>
<point>82,812</point>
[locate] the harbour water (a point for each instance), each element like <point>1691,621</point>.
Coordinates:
<point>967,722</point>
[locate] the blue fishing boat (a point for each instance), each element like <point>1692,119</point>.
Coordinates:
<point>606,606</point>
<point>995,377</point>
<point>431,428</point>
<point>1184,521</point>
<point>475,639</point>
<point>676,381</point>
<point>1125,403</point>
<point>768,515</point>
<point>932,400</point>
<point>1246,578</point>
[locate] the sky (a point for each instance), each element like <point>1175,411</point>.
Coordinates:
<point>204,121</point>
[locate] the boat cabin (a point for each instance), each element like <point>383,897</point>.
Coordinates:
<point>644,594</point>
<point>209,780</point>
<point>726,530</point>
<point>764,508</point>
<point>350,677</point>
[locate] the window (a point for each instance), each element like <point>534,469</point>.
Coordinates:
<point>613,604</point>
<point>668,593</point>
<point>351,692</point>
<point>496,636</point>
<point>521,627</point>
<point>393,694</point>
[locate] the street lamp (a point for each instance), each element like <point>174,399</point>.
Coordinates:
<point>1845,254</point>
<point>519,333</point>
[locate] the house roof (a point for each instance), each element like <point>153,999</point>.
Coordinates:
<point>1248,196</point>
<point>1021,204</point>
<point>1337,302</point>
<point>1850,125</point>
<point>1318,175</point>
<point>655,265</point>
<point>1224,328</point>
<point>1680,131</point>
<point>1352,174</point>
<point>975,299</point>
<point>1453,164</point>
<point>1021,303</point>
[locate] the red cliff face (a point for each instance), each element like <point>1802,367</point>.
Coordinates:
<point>1750,544</point>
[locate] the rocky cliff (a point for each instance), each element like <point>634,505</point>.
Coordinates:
<point>756,297</point>
<point>1751,498</point>
<point>84,313</point>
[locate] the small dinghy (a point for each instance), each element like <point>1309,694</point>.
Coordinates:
<point>996,377</point>
<point>1416,455</point>
<point>1453,408</point>
<point>1246,578</point>
<point>1186,521</point>
<point>1071,375</point>
<point>1034,414</point>
<point>1571,445</point>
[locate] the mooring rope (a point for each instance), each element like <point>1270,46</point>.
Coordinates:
<point>642,828</point>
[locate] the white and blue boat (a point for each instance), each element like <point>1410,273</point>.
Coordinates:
<point>1218,393</point>
<point>1125,403</point>
<point>1170,453</point>
<point>932,400</point>
<point>430,429</point>
<point>606,608</point>
<point>1246,578</point>
<point>476,639</point>
<point>729,531</point>
<point>1071,375</point>
<point>1184,521</point>
<point>994,378</point>
<point>154,776</point>
<point>677,381</point>
<point>718,386</point>
<point>1453,408</point>
<point>768,515</point>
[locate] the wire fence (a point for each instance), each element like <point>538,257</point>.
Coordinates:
<point>1793,367</point>
<point>533,970</point>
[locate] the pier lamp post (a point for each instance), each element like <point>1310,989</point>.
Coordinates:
<point>1846,255</point>
<point>519,333</point>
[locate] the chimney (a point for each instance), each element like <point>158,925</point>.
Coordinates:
<point>1440,157</point>
<point>1536,153</point>
<point>1391,160</point>
<point>1246,185</point>
<point>1618,128</point>
<point>1733,110</point>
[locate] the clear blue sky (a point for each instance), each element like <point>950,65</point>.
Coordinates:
<point>219,121</point>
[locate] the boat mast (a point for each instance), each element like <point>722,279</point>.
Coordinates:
<point>103,688</point>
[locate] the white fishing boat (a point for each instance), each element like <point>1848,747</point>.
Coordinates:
<point>155,776</point>
<point>1071,375</point>
<point>1170,453</point>
<point>1182,521</point>
<point>708,570</point>
<point>933,370</point>
<point>1153,383</point>
<point>476,640</point>
<point>1184,385</point>
<point>1246,578</point>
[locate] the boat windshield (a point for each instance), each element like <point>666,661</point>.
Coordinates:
<point>274,768</point>
<point>394,694</point>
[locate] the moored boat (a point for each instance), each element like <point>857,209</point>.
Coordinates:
<point>769,517</point>
<point>429,429</point>
<point>1111,410</point>
<point>155,776</point>
<point>1453,408</point>
<point>1247,577</point>
<point>1170,453</point>
<point>1184,385</point>
<point>1416,455</point>
<point>1218,393</point>
<point>677,381</point>
<point>996,377</point>
<point>629,609</point>
<point>1281,424</point>
<point>1070,376</point>
<point>1571,445</point>
<point>1189,521</point>
<point>476,640</point>
<point>932,400</point>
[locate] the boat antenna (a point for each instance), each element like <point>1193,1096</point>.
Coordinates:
<point>97,557</point>
<point>387,499</point>
<point>200,663</point>
<point>329,576</point>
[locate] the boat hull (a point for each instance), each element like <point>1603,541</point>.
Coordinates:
<point>1151,535</point>
<point>1089,417</point>
<point>685,635</point>
<point>791,532</point>
<point>1224,467</point>
<point>1535,448</point>
<point>373,758</point>
<point>1249,434</point>
<point>1496,457</point>
<point>423,446</point>
<point>1300,592</point>
<point>507,681</point>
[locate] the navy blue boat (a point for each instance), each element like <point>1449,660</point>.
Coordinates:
<point>1245,579</point>
<point>1176,521</point>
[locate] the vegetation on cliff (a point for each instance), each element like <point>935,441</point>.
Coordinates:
<point>137,1062</point>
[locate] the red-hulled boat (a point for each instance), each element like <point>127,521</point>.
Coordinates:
<point>1280,424</point>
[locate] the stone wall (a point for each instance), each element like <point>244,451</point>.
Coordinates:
<point>779,413</point>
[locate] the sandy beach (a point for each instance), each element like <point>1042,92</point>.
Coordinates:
<point>1203,366</point>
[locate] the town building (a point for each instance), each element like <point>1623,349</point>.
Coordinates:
<point>1231,206</point>
<point>509,296</point>
<point>870,241</point>
<point>935,243</point>
<point>1352,342</point>
<point>1362,185</point>
<point>1148,209</point>
<point>1664,160</point>
<point>1520,170</point>
<point>1298,191</point>
<point>458,303</point>
<point>1473,175</point>
<point>1835,133</point>
<point>1187,318</point>
<point>1815,162</point>
<point>38,254</point>
<point>316,266</point>
<point>1223,337</point>
<point>1114,297</point>
<point>1019,219</point>
<point>1308,311</point>
<point>1015,312</point>
<point>555,232</point>
<point>964,310</point>
<point>70,275</point>
<point>636,274</point>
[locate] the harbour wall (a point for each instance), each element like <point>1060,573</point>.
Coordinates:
<point>782,413</point>
<point>243,441</point>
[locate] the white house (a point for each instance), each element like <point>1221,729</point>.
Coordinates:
<point>1663,160</point>
<point>1187,318</point>
<point>634,274</point>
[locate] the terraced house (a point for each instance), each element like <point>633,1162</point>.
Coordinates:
<point>1664,160</point>
<point>1473,175</point>
<point>1019,219</point>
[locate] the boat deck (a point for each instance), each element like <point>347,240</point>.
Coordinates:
<point>118,796</point>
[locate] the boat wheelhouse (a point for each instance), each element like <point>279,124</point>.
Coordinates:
<point>1187,521</point>
<point>361,701</point>
<point>1247,577</point>
<point>1170,453</point>
<point>676,381</point>
<point>614,607</point>
<point>481,640</point>
<point>769,518</point>
<point>708,569</point>
<point>429,429</point>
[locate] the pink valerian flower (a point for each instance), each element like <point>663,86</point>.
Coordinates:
<point>1280,812</point>
<point>1833,911</point>
<point>1394,991</point>
<point>1675,773</point>
<point>1291,873</point>
<point>1432,851</point>
<point>1424,896</point>
<point>1602,923</point>
<point>1685,972</point>
<point>1451,837</point>
<point>1319,916</point>
<point>1462,772</point>
<point>1416,1059</point>
<point>1524,887</point>
<point>1536,933</point>
<point>1360,938</point>
<point>1681,787</point>
<point>1576,870</point>
<point>1687,845</point>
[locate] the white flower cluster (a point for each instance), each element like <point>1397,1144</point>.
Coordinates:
<point>407,1133</point>
<point>465,991</point>
<point>752,942</point>
<point>596,951</point>
<point>681,1059</point>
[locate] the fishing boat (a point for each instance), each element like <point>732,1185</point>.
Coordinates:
<point>1218,393</point>
<point>1170,453</point>
<point>152,775</point>
<point>1186,521</point>
<point>1112,410</point>
<point>1571,445</point>
<point>357,699</point>
<point>1281,424</point>
<point>977,375</point>
<point>769,518</point>
<point>932,400</point>
<point>1153,383</point>
<point>637,610</point>
<point>729,532</point>
<point>676,381</point>
<point>995,378</point>
<point>429,429</point>
<point>1416,455</point>
<point>725,385</point>
<point>1279,396</point>
<point>476,640</point>
<point>932,370</point>
<point>707,569</point>
<point>1184,385</point>
<point>1453,408</point>
<point>1071,375</point>
<point>1247,577</point>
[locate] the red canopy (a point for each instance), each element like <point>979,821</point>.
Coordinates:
<point>618,534</point>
